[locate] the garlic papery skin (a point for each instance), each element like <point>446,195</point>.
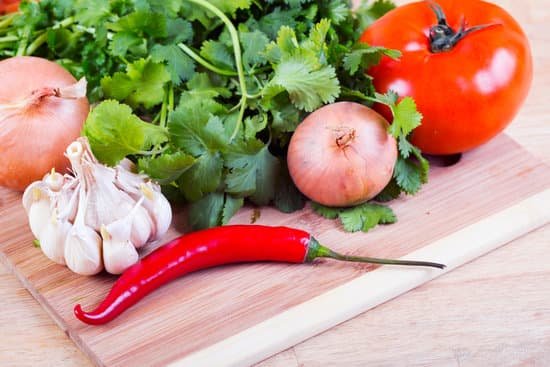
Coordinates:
<point>118,255</point>
<point>52,239</point>
<point>159,208</point>
<point>67,201</point>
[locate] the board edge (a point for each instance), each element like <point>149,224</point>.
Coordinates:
<point>319,314</point>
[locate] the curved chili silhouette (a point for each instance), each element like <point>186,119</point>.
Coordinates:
<point>213,247</point>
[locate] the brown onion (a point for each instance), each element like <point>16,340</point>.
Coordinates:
<point>342,155</point>
<point>42,110</point>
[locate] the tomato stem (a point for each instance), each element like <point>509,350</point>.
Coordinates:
<point>443,37</point>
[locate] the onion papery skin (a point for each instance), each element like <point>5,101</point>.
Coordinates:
<point>33,139</point>
<point>342,155</point>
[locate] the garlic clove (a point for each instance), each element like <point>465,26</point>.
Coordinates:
<point>39,213</point>
<point>83,250</point>
<point>52,238</point>
<point>159,208</point>
<point>143,227</point>
<point>33,193</point>
<point>117,255</point>
<point>54,180</point>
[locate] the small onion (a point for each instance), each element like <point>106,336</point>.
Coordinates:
<point>342,155</point>
<point>42,110</point>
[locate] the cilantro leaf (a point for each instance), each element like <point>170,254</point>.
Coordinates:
<point>254,43</point>
<point>144,22</point>
<point>288,198</point>
<point>114,132</point>
<point>363,56</point>
<point>406,118</point>
<point>411,170</point>
<point>204,177</point>
<point>194,134</point>
<point>307,87</point>
<point>91,15</point>
<point>253,173</point>
<point>179,30</point>
<point>179,65</point>
<point>166,168</point>
<point>363,217</point>
<point>326,211</point>
<point>142,84</point>
<point>218,54</point>
<point>206,212</point>
<point>367,13</point>
<point>338,11</point>
<point>122,41</point>
<point>301,69</point>
<point>230,208</point>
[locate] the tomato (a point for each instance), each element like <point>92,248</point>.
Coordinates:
<point>9,6</point>
<point>467,64</point>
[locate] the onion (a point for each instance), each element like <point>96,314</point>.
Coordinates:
<point>342,155</point>
<point>42,110</point>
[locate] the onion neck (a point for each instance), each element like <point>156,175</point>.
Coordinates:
<point>37,96</point>
<point>344,136</point>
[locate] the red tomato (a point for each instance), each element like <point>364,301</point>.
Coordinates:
<point>468,85</point>
<point>9,6</point>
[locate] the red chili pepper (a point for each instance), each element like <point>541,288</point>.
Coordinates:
<point>213,247</point>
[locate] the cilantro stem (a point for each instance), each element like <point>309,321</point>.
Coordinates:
<point>192,54</point>
<point>37,43</point>
<point>7,21</point>
<point>238,58</point>
<point>24,41</point>
<point>163,109</point>
<point>8,39</point>
<point>152,152</point>
<point>171,98</point>
<point>64,23</point>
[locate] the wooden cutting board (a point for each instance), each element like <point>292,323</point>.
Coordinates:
<point>239,315</point>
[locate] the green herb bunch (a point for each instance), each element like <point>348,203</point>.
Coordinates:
<point>204,95</point>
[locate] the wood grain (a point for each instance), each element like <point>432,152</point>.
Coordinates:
<point>362,342</point>
<point>230,301</point>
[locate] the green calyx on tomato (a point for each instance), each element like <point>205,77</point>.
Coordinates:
<point>467,94</point>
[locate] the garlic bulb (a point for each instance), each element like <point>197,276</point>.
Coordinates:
<point>98,216</point>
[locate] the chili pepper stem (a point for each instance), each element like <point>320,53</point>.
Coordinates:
<point>316,250</point>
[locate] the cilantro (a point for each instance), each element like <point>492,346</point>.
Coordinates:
<point>363,217</point>
<point>179,65</point>
<point>411,170</point>
<point>142,84</point>
<point>253,173</point>
<point>111,142</point>
<point>367,13</point>
<point>364,56</point>
<point>205,94</point>
<point>166,168</point>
